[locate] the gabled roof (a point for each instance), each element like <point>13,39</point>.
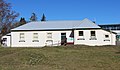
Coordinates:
<point>54,25</point>
<point>86,23</point>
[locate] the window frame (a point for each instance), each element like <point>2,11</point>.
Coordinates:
<point>35,37</point>
<point>93,35</point>
<point>106,36</point>
<point>49,35</point>
<point>22,37</point>
<point>80,33</point>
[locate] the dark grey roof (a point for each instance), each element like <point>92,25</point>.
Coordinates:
<point>48,25</point>
<point>109,24</point>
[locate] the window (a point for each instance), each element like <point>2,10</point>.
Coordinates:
<point>35,37</point>
<point>106,36</point>
<point>92,33</point>
<point>22,37</point>
<point>49,35</point>
<point>80,33</point>
<point>4,39</point>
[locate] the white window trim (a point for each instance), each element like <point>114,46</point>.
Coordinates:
<point>49,35</point>
<point>108,38</point>
<point>35,37</point>
<point>93,37</point>
<point>81,37</point>
<point>22,37</point>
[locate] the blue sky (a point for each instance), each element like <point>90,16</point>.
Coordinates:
<point>103,11</point>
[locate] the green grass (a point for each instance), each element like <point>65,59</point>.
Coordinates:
<point>60,58</point>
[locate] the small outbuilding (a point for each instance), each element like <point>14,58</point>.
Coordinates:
<point>6,40</point>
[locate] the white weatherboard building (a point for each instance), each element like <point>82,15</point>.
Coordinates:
<point>52,33</point>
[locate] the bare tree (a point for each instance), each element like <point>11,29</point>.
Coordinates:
<point>7,16</point>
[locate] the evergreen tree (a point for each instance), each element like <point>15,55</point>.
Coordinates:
<point>33,17</point>
<point>17,24</point>
<point>22,21</point>
<point>43,18</point>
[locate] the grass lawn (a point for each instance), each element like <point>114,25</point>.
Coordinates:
<point>60,58</point>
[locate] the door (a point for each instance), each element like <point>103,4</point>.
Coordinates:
<point>63,38</point>
<point>4,42</point>
<point>118,40</point>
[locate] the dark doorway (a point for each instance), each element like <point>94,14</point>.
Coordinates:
<point>118,40</point>
<point>71,40</point>
<point>63,38</point>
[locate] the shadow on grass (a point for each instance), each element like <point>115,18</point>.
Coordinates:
<point>117,52</point>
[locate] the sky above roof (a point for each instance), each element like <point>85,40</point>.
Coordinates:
<point>101,11</point>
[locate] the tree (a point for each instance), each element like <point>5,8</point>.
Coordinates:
<point>4,29</point>
<point>43,18</point>
<point>22,21</point>
<point>7,16</point>
<point>33,17</point>
<point>17,24</point>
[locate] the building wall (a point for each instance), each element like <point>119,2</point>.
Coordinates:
<point>100,38</point>
<point>56,38</point>
<point>42,36</point>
